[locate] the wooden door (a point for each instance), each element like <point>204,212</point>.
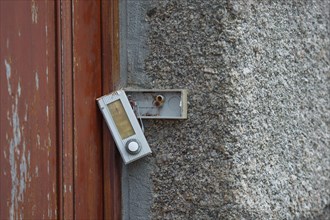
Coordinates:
<point>56,156</point>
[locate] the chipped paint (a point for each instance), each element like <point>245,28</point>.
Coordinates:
<point>23,175</point>
<point>37,171</point>
<point>34,208</point>
<point>8,118</point>
<point>38,139</point>
<point>19,89</point>
<point>48,167</point>
<point>16,140</point>
<point>37,81</point>
<point>26,100</point>
<point>29,157</point>
<point>49,208</point>
<point>47,74</point>
<point>29,163</point>
<point>49,212</point>
<point>26,112</point>
<point>49,140</point>
<point>8,74</point>
<point>34,12</point>
<point>47,115</point>
<point>19,172</point>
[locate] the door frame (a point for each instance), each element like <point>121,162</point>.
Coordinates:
<point>109,48</point>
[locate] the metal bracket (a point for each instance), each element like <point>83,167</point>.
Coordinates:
<point>158,104</point>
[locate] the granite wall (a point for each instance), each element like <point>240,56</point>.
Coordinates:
<point>256,144</point>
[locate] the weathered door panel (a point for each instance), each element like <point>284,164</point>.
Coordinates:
<point>28,143</point>
<point>87,86</point>
<point>57,159</point>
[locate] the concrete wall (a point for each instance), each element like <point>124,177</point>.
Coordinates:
<point>257,141</point>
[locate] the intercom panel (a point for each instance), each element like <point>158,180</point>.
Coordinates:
<point>124,126</point>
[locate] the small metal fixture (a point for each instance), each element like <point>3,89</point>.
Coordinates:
<point>158,104</point>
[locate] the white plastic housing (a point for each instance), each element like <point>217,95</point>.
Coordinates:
<point>103,103</point>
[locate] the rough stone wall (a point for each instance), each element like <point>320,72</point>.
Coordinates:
<point>256,144</point>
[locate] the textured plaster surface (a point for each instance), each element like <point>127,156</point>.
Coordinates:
<point>257,141</point>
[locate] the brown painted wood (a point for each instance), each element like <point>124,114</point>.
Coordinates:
<point>28,143</point>
<point>56,155</point>
<point>87,86</point>
<point>65,109</point>
<point>110,70</point>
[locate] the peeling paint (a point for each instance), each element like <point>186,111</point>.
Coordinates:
<point>26,112</point>
<point>64,188</point>
<point>37,81</point>
<point>49,208</point>
<point>8,74</point>
<point>34,12</point>
<point>17,151</point>
<point>37,171</point>
<point>8,118</point>
<point>18,171</point>
<point>48,167</point>
<point>29,161</point>
<point>14,144</point>
<point>47,74</point>
<point>49,212</point>
<point>29,157</point>
<point>5,154</point>
<point>19,89</point>
<point>34,208</point>
<point>19,33</point>
<point>47,113</point>
<point>23,175</point>
<point>38,139</point>
<point>49,140</point>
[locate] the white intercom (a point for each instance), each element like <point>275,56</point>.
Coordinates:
<point>124,126</point>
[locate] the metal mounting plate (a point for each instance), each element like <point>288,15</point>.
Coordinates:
<point>158,104</point>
